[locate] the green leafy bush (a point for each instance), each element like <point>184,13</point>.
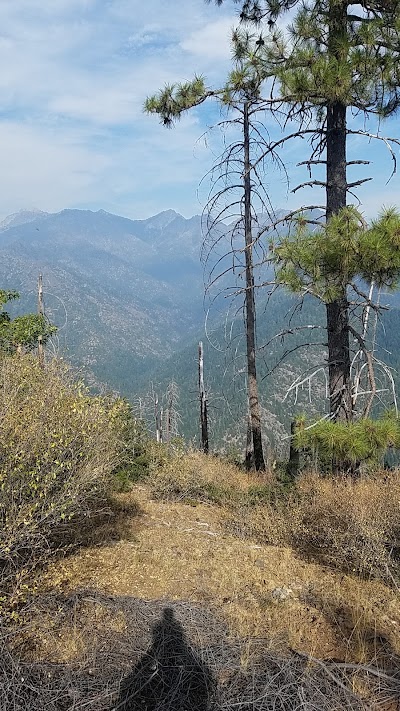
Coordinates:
<point>135,447</point>
<point>22,332</point>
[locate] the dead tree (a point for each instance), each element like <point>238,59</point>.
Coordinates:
<point>203,403</point>
<point>41,314</point>
<point>238,195</point>
<point>171,416</point>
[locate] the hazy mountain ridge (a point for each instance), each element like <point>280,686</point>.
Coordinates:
<point>21,217</point>
<point>127,296</point>
<point>112,279</point>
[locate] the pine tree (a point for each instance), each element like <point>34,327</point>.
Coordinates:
<point>337,258</point>
<point>339,56</point>
<point>241,94</point>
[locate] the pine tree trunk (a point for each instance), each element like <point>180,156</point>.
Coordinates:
<point>337,312</point>
<point>249,443</point>
<point>254,405</point>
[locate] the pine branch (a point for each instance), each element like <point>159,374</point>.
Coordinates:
<point>311,162</point>
<point>385,139</point>
<point>367,300</point>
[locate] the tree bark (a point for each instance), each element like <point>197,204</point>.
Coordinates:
<point>254,404</point>
<point>158,420</point>
<point>337,312</point>
<point>294,454</point>
<point>249,443</point>
<point>203,403</point>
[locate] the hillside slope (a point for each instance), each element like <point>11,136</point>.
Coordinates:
<point>127,296</point>
<point>123,292</point>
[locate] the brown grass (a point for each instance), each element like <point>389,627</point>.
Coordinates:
<point>193,477</point>
<point>350,525</point>
<point>111,646</point>
<point>188,551</point>
<point>195,537</point>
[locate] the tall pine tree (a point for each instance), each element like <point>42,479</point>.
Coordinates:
<point>338,56</point>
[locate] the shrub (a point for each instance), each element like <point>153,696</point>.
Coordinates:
<point>351,525</point>
<point>349,444</point>
<point>134,445</point>
<point>58,447</point>
<point>196,477</point>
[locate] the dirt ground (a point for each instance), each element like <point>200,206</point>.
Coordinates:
<point>157,550</point>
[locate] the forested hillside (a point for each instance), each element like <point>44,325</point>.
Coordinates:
<point>123,293</point>
<point>282,361</point>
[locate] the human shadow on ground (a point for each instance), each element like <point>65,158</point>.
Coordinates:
<point>170,676</point>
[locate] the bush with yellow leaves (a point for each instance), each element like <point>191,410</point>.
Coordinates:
<point>58,447</point>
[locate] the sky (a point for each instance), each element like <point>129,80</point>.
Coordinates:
<point>74,76</point>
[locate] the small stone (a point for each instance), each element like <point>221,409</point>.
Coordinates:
<point>281,594</point>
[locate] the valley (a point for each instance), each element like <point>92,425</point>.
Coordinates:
<point>128,299</point>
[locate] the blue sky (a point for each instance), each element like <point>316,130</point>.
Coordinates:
<point>74,77</point>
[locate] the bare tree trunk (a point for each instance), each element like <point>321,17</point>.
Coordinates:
<point>168,422</point>
<point>203,403</point>
<point>41,313</point>
<point>294,454</point>
<point>160,424</point>
<point>171,414</point>
<point>157,418</point>
<point>250,310</point>
<point>249,443</point>
<point>337,312</point>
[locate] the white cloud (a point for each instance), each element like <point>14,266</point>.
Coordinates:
<point>71,99</point>
<point>75,75</point>
<point>212,41</point>
<point>41,168</point>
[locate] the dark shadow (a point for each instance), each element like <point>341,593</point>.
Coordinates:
<point>169,676</point>
<point>112,519</point>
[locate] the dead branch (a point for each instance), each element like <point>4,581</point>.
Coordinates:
<point>371,374</point>
<point>309,184</point>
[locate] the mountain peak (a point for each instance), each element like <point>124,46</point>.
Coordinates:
<point>22,217</point>
<point>162,219</point>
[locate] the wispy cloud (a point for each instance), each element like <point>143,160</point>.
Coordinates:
<point>74,77</point>
<point>71,121</point>
<point>211,42</point>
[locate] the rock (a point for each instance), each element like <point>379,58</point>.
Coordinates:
<point>281,594</point>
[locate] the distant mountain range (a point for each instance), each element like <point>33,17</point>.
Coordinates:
<point>128,298</point>
<point>123,292</point>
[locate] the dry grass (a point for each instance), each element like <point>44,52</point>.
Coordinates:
<point>194,477</point>
<point>248,563</point>
<point>172,656</point>
<point>184,552</point>
<point>350,525</point>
